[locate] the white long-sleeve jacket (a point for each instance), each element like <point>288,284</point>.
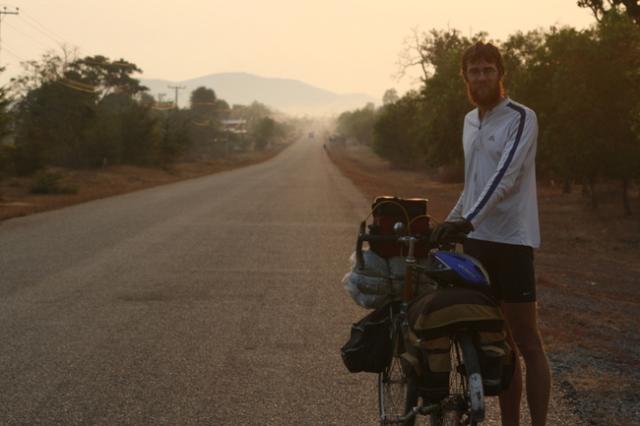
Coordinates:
<point>499,196</point>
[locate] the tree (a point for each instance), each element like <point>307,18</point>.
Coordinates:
<point>174,139</point>
<point>50,126</point>
<point>526,76</point>
<point>203,101</point>
<point>35,73</point>
<point>7,151</point>
<point>584,87</point>
<point>358,124</point>
<point>104,76</point>
<point>618,42</point>
<point>140,136</point>
<point>390,97</point>
<point>396,135</point>
<point>570,137</point>
<point>6,117</point>
<point>445,98</point>
<point>263,132</point>
<point>583,84</point>
<point>79,112</point>
<point>599,8</point>
<point>252,113</point>
<point>205,127</point>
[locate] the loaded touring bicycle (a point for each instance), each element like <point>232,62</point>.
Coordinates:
<point>436,338</point>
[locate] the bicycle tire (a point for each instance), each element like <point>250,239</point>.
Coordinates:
<point>465,403</point>
<point>397,390</point>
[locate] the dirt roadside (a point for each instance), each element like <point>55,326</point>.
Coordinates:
<point>588,274</point>
<point>17,200</point>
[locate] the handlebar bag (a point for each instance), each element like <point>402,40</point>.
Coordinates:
<point>387,211</point>
<point>369,347</point>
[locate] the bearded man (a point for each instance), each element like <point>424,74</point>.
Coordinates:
<point>498,209</point>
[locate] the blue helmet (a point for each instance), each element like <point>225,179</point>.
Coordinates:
<point>458,268</point>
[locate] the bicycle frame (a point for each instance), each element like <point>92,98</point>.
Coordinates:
<point>399,320</point>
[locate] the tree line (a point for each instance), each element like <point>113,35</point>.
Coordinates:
<point>583,84</point>
<point>91,112</point>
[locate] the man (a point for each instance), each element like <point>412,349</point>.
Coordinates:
<point>498,209</point>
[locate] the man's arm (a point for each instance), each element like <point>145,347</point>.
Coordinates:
<point>456,212</point>
<point>520,146</point>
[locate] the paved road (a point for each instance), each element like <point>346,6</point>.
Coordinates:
<point>210,301</point>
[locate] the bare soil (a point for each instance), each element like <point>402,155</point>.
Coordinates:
<point>17,200</point>
<point>588,275</point>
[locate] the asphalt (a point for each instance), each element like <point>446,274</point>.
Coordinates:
<point>210,301</point>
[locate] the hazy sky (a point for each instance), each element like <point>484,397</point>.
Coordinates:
<point>340,45</point>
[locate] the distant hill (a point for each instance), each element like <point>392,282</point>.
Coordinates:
<point>288,96</point>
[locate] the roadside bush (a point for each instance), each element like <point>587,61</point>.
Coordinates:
<point>7,159</point>
<point>50,183</point>
<point>173,139</point>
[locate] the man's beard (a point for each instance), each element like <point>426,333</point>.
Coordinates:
<point>488,98</point>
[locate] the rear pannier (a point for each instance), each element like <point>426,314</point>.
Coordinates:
<point>436,316</point>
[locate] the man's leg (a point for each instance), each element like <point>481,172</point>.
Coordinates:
<point>510,398</point>
<point>523,323</point>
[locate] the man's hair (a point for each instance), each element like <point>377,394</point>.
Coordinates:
<point>486,51</point>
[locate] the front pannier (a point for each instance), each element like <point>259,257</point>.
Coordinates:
<point>369,348</point>
<point>378,281</point>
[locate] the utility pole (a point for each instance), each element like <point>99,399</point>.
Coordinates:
<point>4,11</point>
<point>176,88</point>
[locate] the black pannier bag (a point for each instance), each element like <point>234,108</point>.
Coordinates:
<point>369,348</point>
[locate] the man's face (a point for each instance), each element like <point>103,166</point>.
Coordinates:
<point>483,82</point>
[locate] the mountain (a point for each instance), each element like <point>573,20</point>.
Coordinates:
<point>289,96</point>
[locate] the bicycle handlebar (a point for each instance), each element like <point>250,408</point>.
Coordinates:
<point>404,239</point>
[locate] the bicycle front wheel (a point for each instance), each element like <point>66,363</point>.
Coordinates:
<point>397,390</point>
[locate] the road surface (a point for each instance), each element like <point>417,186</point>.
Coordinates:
<point>212,301</point>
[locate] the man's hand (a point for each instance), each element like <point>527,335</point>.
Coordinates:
<point>444,232</point>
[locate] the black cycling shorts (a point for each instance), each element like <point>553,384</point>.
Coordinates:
<point>510,268</point>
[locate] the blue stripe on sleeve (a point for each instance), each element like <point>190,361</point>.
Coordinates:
<point>505,166</point>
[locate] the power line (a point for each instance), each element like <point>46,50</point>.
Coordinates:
<point>30,20</point>
<point>28,36</point>
<point>116,64</point>
<point>4,11</point>
<point>43,33</point>
<point>18,57</point>
<point>162,106</point>
<point>71,85</point>
<point>79,84</point>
